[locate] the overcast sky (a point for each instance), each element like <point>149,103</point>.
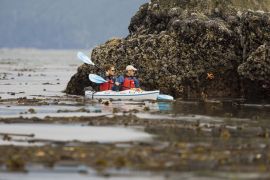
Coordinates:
<point>64,24</point>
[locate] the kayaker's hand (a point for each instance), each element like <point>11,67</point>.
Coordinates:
<point>117,83</point>
<point>136,89</point>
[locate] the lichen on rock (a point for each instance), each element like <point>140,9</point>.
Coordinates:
<point>176,44</point>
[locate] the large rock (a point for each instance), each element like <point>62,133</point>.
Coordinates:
<point>176,44</point>
<point>256,73</point>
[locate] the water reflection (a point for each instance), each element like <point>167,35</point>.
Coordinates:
<point>224,109</point>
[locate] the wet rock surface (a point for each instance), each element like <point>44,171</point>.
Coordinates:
<point>236,141</point>
<point>176,44</point>
<point>190,139</point>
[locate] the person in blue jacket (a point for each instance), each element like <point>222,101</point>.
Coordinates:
<point>128,81</point>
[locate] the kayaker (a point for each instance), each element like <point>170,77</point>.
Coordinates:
<point>110,77</point>
<point>128,81</point>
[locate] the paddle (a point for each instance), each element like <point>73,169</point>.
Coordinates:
<point>86,59</point>
<point>165,97</point>
<point>96,79</point>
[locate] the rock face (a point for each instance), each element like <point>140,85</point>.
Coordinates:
<point>178,44</point>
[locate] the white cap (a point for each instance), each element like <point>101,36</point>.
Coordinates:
<point>130,67</point>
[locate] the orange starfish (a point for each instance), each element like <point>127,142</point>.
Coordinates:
<point>210,76</point>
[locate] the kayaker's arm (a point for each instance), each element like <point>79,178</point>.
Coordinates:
<point>136,82</point>
<point>119,83</point>
<point>115,85</point>
<point>119,80</point>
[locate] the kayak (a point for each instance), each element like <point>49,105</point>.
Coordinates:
<point>165,97</point>
<point>123,95</point>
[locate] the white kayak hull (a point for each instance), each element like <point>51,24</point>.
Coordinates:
<point>123,95</point>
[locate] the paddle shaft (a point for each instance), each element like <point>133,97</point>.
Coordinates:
<point>120,85</point>
<point>87,60</point>
<point>99,68</point>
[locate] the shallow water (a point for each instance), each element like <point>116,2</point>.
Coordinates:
<point>70,132</point>
<point>30,72</point>
<point>226,134</point>
<point>84,173</point>
<point>64,176</point>
<point>74,171</point>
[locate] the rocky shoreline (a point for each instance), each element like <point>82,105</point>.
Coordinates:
<point>177,44</point>
<point>178,146</point>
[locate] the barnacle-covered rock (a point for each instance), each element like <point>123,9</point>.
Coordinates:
<point>255,72</point>
<point>176,44</point>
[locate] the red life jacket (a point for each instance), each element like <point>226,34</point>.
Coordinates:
<point>128,83</point>
<point>106,86</point>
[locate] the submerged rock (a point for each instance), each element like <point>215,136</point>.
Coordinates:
<point>176,44</point>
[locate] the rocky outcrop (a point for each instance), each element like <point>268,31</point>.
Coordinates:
<point>193,48</point>
<point>256,73</point>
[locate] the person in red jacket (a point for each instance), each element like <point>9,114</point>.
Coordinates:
<point>128,81</point>
<point>110,77</point>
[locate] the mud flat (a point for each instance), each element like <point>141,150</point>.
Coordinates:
<point>196,143</point>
